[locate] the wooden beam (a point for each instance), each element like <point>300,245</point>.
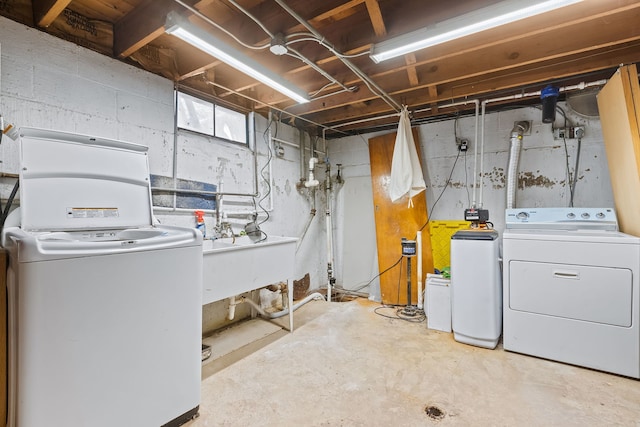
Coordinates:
<point>46,11</point>
<point>476,65</point>
<point>520,33</point>
<point>144,24</point>
<point>375,15</point>
<point>483,88</point>
<point>433,94</point>
<point>140,27</point>
<point>412,73</point>
<point>341,10</point>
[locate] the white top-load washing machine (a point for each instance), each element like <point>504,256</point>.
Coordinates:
<point>104,306</point>
<point>476,288</point>
<point>572,288</point>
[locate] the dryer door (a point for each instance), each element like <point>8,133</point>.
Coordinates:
<point>572,291</point>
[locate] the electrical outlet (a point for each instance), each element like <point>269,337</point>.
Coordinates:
<point>572,132</point>
<point>463,144</point>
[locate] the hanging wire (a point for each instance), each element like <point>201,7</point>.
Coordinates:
<point>267,142</point>
<point>295,54</point>
<point>446,185</point>
<point>370,85</point>
<point>312,38</point>
<point>466,175</point>
<point>253,18</point>
<point>566,155</point>
<point>221,28</point>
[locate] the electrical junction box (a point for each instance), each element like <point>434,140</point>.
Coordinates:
<point>572,132</point>
<point>476,215</point>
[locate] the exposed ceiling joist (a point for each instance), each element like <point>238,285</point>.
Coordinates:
<point>46,11</point>
<point>592,36</point>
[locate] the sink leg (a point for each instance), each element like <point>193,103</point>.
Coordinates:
<point>290,295</point>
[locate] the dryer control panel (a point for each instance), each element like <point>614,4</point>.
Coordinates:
<point>562,218</point>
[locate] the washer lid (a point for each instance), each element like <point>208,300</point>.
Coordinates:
<point>78,182</point>
<point>475,235</point>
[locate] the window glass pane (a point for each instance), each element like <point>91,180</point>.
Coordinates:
<point>195,114</point>
<point>231,125</point>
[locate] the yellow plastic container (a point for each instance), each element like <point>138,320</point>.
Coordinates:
<point>441,232</point>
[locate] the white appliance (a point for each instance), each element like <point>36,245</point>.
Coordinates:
<point>104,307</point>
<point>476,288</point>
<point>572,288</point>
<point>438,303</point>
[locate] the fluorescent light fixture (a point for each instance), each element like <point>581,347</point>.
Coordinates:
<point>470,23</point>
<point>182,28</point>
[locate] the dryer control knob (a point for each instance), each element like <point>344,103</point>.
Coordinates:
<point>571,215</point>
<point>600,215</point>
<point>522,215</point>
<point>586,215</point>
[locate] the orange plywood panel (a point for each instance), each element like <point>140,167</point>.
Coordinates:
<point>395,221</point>
<point>619,107</point>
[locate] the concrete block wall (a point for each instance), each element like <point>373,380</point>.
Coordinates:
<point>49,83</point>
<point>542,179</point>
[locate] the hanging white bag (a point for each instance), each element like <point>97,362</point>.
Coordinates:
<point>406,171</point>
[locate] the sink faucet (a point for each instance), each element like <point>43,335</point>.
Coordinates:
<point>223,229</point>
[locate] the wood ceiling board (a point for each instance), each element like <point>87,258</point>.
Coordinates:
<point>462,67</point>
<point>524,36</point>
<point>141,26</point>
<point>227,87</point>
<point>105,10</point>
<point>541,75</point>
<point>482,89</point>
<point>416,14</point>
<point>476,63</point>
<point>45,11</point>
<point>318,22</point>
<point>580,37</point>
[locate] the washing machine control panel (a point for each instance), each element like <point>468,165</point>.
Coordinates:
<point>562,218</point>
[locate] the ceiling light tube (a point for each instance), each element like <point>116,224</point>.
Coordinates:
<point>469,23</point>
<point>182,28</point>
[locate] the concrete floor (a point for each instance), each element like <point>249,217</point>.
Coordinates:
<point>346,366</point>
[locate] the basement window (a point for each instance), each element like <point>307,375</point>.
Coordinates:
<point>206,117</point>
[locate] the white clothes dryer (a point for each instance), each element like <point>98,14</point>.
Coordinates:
<point>572,288</point>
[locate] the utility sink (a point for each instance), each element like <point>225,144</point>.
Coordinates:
<point>232,266</point>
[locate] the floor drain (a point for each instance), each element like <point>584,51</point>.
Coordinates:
<point>434,412</point>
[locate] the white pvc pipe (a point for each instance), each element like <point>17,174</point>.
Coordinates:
<point>232,308</point>
<point>481,178</point>
<point>313,296</point>
<point>475,155</point>
<point>270,148</point>
<point>419,255</point>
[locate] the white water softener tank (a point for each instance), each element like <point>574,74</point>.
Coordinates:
<point>476,288</point>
